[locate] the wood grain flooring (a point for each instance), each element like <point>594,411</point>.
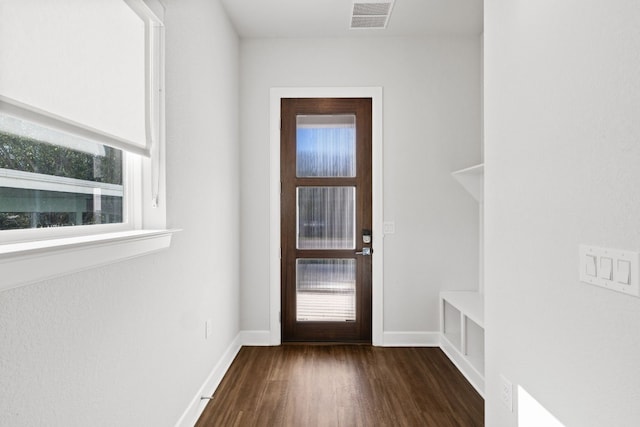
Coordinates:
<point>343,385</point>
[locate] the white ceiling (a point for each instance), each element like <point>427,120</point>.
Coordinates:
<point>331,18</point>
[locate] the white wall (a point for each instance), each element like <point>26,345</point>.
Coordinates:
<point>123,345</point>
<point>562,148</point>
<point>431,127</point>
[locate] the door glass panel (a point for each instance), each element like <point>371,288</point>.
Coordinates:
<point>326,290</point>
<point>326,145</point>
<point>326,217</point>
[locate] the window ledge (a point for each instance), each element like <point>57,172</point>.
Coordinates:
<point>28,262</point>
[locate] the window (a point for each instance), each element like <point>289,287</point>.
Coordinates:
<point>80,138</point>
<point>51,179</point>
<point>81,134</point>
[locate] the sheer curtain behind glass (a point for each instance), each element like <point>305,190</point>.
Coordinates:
<point>325,148</point>
<point>326,217</point>
<point>326,289</point>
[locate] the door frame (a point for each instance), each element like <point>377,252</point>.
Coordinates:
<point>377,289</point>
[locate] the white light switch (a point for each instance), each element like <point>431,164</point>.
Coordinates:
<point>613,269</point>
<point>590,267</point>
<point>623,274</point>
<point>606,268</point>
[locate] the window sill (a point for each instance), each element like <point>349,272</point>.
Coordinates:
<point>28,262</point>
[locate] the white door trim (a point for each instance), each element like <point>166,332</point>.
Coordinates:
<point>375,93</point>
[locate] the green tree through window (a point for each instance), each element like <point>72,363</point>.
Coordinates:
<point>26,206</point>
<point>29,155</point>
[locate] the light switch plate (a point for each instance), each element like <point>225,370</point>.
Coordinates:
<point>389,227</point>
<point>614,268</point>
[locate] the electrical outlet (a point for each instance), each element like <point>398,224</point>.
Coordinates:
<point>506,393</point>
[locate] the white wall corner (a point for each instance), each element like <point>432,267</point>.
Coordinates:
<point>411,339</point>
<point>197,405</point>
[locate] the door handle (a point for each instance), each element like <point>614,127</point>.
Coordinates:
<point>365,252</point>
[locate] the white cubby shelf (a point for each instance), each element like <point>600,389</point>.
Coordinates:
<point>462,331</point>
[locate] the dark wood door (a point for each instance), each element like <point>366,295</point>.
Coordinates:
<point>326,219</point>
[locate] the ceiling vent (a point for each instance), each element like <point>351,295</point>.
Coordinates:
<point>371,14</point>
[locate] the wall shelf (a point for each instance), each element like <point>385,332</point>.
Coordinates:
<point>462,330</point>
<point>462,312</point>
<point>472,179</point>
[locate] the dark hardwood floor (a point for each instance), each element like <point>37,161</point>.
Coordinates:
<point>343,385</point>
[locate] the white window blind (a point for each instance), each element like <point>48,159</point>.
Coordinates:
<point>58,69</point>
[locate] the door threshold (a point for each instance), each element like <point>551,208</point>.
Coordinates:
<point>325,343</point>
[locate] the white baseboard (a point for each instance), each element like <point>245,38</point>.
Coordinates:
<point>255,338</point>
<point>475,378</point>
<point>411,339</point>
<point>197,405</point>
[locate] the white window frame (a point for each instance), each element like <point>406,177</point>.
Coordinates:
<point>63,250</point>
<point>130,176</point>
